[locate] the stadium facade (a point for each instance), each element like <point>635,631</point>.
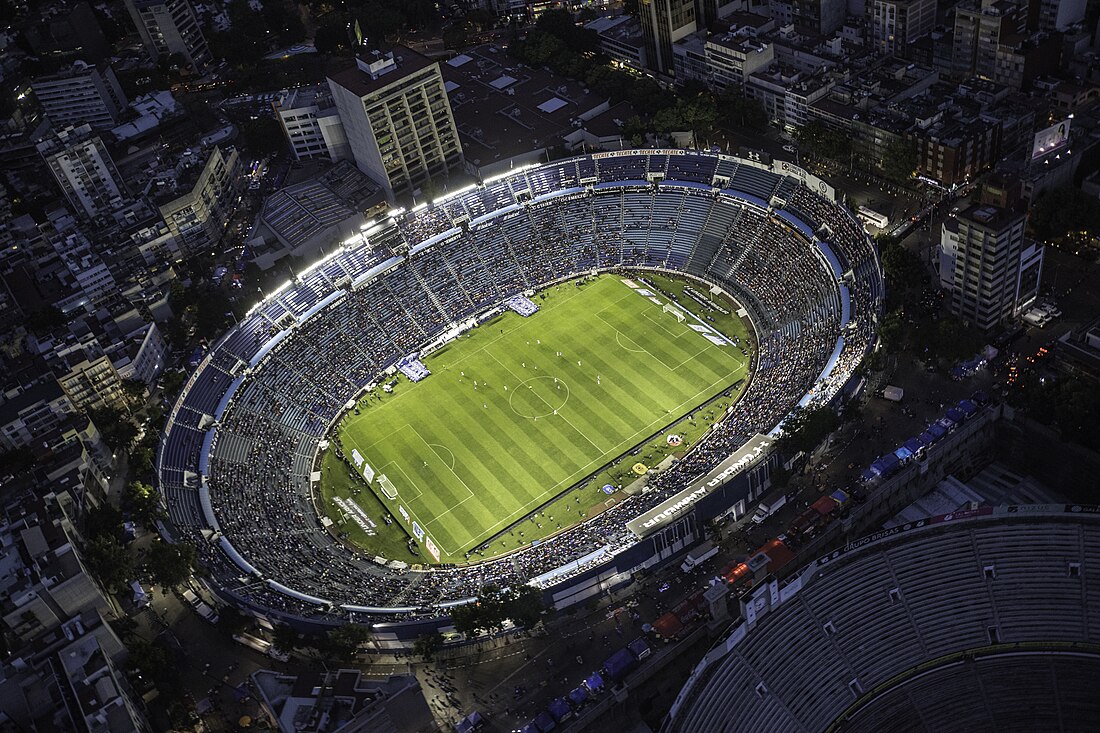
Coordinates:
<point>240,453</point>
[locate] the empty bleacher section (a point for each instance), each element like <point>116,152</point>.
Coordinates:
<point>313,345</point>
<point>926,623</point>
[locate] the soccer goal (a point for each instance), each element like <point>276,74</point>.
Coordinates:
<point>387,487</point>
<point>674,311</point>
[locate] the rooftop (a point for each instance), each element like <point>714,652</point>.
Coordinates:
<point>373,73</point>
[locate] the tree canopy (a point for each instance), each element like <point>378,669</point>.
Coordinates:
<point>170,565</point>
<point>806,428</point>
<point>521,605</point>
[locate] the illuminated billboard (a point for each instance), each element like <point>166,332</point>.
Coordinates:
<point>1050,139</point>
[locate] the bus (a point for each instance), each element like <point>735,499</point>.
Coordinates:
<point>872,217</point>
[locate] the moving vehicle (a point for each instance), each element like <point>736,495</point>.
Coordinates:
<point>768,508</point>
<point>698,555</point>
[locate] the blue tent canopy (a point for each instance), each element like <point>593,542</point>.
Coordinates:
<point>903,453</point>
<point>956,415</point>
<point>981,397</point>
<point>914,445</point>
<point>578,695</point>
<point>544,722</point>
<point>529,728</point>
<point>594,683</point>
<point>967,407</point>
<point>937,431</point>
<point>559,709</point>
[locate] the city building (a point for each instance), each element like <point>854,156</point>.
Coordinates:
<point>664,22</point>
<point>84,170</point>
<point>311,701</point>
<point>31,412</point>
<point>620,38</point>
<point>398,121</point>
<point>510,114</point>
<point>169,27</point>
<point>67,31</point>
<point>142,356</point>
<point>893,25</point>
<point>989,268</point>
<point>98,690</point>
<point>197,197</point>
<point>87,376</point>
<point>311,124</point>
<point>733,57</point>
<point>81,94</point>
<point>819,17</point>
<point>1020,60</point>
<point>1059,15</point>
<point>979,30</point>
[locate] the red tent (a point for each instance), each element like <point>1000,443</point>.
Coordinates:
<point>668,626</point>
<point>824,505</point>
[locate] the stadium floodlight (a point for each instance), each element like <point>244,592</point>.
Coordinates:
<point>454,194</point>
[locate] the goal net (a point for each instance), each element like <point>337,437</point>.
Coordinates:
<point>387,487</point>
<point>676,312</point>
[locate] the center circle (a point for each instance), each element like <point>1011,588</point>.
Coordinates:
<point>539,397</point>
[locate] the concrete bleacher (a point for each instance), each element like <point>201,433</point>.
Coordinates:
<point>406,278</point>
<point>868,616</point>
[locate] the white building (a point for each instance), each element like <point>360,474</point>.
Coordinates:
<point>81,94</point>
<point>167,27</point>
<point>312,125</point>
<point>84,170</point>
<point>398,120</point>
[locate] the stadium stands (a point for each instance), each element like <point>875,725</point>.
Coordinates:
<point>314,344</point>
<point>965,600</point>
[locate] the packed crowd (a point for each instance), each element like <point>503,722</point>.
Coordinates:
<point>314,346</point>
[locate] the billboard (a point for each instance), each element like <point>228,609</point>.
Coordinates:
<point>1051,139</point>
<point>368,472</point>
<point>432,549</point>
<point>745,458</point>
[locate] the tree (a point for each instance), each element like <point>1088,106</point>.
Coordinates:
<point>824,142</point>
<point>46,319</point>
<point>109,562</point>
<point>169,564</point>
<point>285,638</point>
<point>737,110</point>
<point>900,160</point>
<point>343,642</point>
<point>117,429</point>
<point>522,605</point>
<point>332,36</point>
<point>144,500</point>
<point>806,428</point>
<point>1061,211</point>
<point>262,136</point>
<point>171,382</point>
<point>426,645</point>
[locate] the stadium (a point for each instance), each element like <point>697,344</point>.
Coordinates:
<point>979,620</point>
<point>242,465</point>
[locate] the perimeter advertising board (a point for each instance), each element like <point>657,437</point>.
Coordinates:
<point>748,456</point>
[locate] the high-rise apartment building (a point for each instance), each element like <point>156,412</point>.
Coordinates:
<point>84,170</point>
<point>818,17</point>
<point>665,22</point>
<point>81,94</point>
<point>979,30</point>
<point>894,24</point>
<point>168,27</point>
<point>398,120</point>
<point>1058,15</point>
<point>991,271</point>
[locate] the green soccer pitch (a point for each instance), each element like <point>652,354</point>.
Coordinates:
<point>519,410</point>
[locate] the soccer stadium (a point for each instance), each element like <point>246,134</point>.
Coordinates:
<point>983,620</point>
<point>531,380</point>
